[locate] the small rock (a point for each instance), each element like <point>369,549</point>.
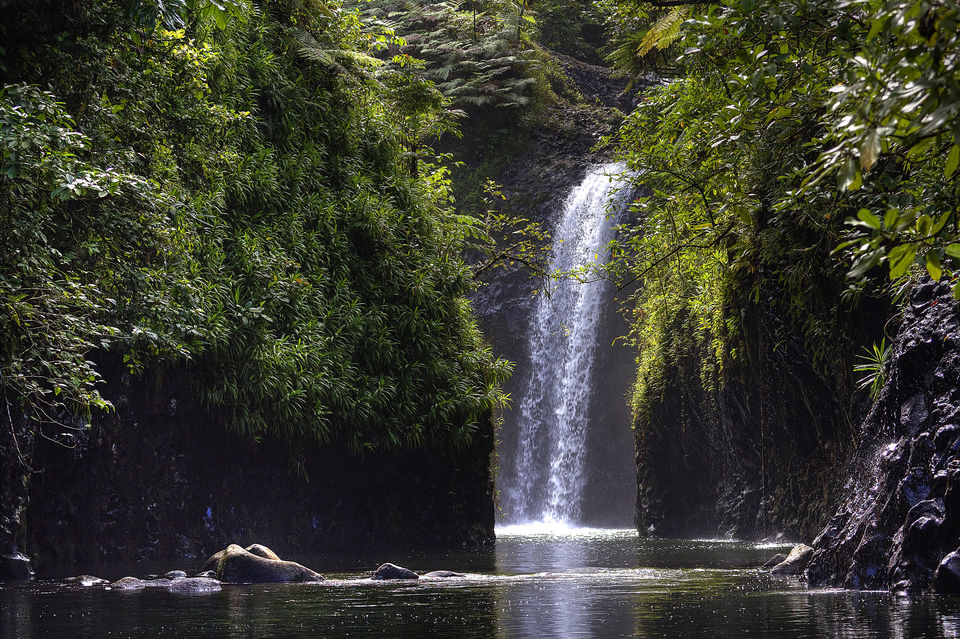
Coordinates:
<point>443,574</point>
<point>239,566</point>
<point>132,583</point>
<point>175,574</point>
<point>391,571</point>
<point>946,580</point>
<point>776,559</point>
<point>209,574</point>
<point>915,486</point>
<point>796,562</point>
<point>903,587</point>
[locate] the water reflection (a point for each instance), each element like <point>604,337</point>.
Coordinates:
<point>598,584</point>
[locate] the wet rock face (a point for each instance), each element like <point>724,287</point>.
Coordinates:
<point>755,456</point>
<point>947,576</point>
<point>901,520</point>
<point>148,487</point>
<point>16,446</point>
<point>15,566</point>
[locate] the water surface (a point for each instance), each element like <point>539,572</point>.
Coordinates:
<point>573,583</point>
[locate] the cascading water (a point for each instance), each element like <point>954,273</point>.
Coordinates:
<point>546,479</point>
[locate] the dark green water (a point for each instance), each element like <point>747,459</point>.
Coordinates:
<point>592,584</point>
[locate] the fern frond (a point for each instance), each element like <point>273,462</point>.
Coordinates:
<point>664,31</point>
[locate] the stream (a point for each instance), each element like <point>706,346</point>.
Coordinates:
<point>565,583</point>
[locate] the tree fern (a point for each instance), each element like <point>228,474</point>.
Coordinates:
<point>664,32</point>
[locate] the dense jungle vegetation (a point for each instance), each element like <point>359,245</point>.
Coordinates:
<point>261,191</point>
<point>238,189</point>
<point>798,155</point>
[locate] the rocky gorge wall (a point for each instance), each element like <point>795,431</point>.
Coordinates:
<point>752,455</point>
<point>898,525</point>
<point>771,452</point>
<point>161,479</point>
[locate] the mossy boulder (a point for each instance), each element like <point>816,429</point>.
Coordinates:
<point>237,565</point>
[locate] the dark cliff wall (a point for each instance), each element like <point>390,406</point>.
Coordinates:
<point>901,510</point>
<point>160,479</point>
<point>752,454</point>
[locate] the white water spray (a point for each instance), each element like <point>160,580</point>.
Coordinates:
<point>547,479</point>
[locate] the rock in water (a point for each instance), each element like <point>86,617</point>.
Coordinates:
<point>775,560</point>
<point>391,571</point>
<point>239,566</point>
<point>182,585</point>
<point>210,565</point>
<point>15,566</point>
<point>262,551</point>
<point>175,574</point>
<point>132,583</point>
<point>212,562</point>
<point>946,580</point>
<point>443,574</point>
<point>796,562</point>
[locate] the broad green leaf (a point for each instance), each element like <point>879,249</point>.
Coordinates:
<point>900,258</point>
<point>941,222</point>
<point>869,218</point>
<point>843,245</point>
<point>847,175</point>
<point>953,159</point>
<point>866,262</point>
<point>953,250</point>
<point>919,147</point>
<point>933,265</point>
<point>890,218</point>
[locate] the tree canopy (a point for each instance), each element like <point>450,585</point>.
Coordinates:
<point>222,185</point>
<point>792,144</point>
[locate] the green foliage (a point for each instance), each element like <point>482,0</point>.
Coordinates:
<point>775,98</point>
<point>873,368</point>
<point>664,32</point>
<point>504,240</point>
<point>724,152</point>
<point>894,139</point>
<point>234,194</point>
<point>639,38</point>
<point>471,50</point>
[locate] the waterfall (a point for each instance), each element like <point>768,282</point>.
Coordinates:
<point>546,479</point>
